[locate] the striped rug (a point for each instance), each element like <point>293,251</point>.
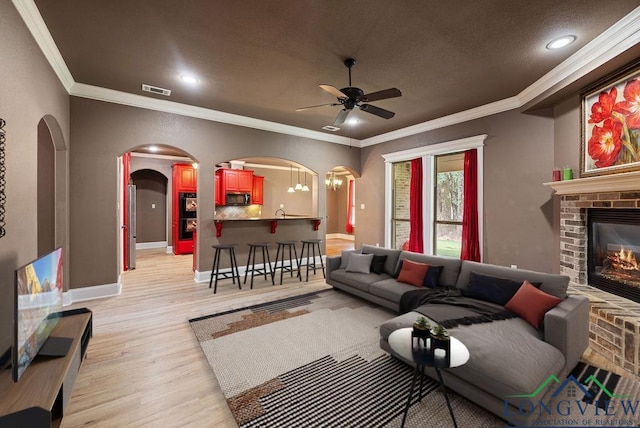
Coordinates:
<point>314,361</point>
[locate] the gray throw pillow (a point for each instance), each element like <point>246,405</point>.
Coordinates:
<point>344,260</point>
<point>360,263</point>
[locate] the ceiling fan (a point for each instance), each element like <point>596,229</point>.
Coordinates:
<point>351,97</point>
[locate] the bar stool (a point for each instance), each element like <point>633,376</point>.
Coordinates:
<point>310,245</point>
<point>251,262</point>
<point>282,247</point>
<point>215,269</point>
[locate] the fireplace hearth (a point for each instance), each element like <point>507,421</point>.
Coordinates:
<point>614,250</point>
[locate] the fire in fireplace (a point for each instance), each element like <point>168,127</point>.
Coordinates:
<point>614,250</point>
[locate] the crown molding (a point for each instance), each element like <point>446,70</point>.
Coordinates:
<point>621,36</point>
<point>32,18</point>
<point>140,101</point>
<point>452,119</point>
<point>436,149</point>
<point>612,42</point>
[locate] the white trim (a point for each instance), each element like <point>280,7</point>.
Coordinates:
<point>91,293</point>
<point>612,42</point>
<point>148,245</point>
<point>344,236</point>
<point>169,249</point>
<point>437,149</point>
<point>32,18</point>
<point>134,100</point>
<point>205,276</point>
<point>452,119</point>
<point>159,156</point>
<point>603,183</point>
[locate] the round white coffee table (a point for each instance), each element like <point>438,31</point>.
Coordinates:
<point>400,342</point>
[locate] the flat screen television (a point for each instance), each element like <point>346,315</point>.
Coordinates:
<point>38,306</point>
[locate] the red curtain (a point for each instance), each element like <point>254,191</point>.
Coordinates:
<point>350,207</point>
<point>470,228</point>
<point>416,235</point>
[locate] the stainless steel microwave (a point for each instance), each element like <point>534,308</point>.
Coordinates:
<point>238,199</point>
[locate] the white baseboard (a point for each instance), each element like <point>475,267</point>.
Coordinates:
<point>147,245</point>
<point>200,277</point>
<point>90,293</point>
<point>341,236</point>
<point>169,249</point>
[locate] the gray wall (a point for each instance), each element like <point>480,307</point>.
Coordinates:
<point>151,205</point>
<point>29,91</point>
<point>276,183</point>
<point>337,208</point>
<point>104,131</point>
<point>518,158</point>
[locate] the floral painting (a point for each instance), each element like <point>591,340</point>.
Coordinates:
<point>611,127</point>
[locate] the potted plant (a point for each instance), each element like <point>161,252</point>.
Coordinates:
<point>422,327</point>
<point>441,345</point>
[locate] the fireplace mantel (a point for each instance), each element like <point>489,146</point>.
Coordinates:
<point>603,183</point>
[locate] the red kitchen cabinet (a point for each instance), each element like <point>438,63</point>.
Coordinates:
<point>236,180</point>
<point>257,193</point>
<point>219,194</point>
<point>184,207</point>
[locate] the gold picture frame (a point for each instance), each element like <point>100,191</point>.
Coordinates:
<point>610,117</point>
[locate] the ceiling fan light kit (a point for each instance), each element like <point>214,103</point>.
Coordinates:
<point>351,97</point>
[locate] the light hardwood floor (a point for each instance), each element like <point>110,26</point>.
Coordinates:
<point>144,367</point>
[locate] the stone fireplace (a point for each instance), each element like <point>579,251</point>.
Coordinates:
<point>614,327</point>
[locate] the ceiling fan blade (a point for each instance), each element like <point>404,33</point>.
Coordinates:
<point>382,95</point>
<point>342,116</point>
<point>319,105</point>
<point>380,112</point>
<point>334,91</point>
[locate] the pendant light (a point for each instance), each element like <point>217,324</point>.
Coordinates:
<point>299,185</point>
<point>305,188</point>
<point>291,189</point>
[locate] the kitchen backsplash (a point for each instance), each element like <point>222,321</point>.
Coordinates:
<point>246,211</point>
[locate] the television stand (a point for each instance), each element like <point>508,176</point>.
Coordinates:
<point>40,397</point>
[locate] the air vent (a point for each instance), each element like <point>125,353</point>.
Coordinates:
<point>156,90</point>
<point>330,128</point>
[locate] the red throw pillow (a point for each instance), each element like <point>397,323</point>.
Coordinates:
<point>413,273</point>
<point>530,304</point>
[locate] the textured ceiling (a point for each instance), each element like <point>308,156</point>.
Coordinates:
<point>263,59</point>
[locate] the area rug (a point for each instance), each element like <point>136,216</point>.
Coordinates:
<point>314,360</point>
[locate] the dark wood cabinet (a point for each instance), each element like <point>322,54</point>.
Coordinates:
<point>257,193</point>
<point>184,207</point>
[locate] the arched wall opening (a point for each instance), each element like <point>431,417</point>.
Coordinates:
<point>52,187</point>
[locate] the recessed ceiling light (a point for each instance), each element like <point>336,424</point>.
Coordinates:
<point>352,121</point>
<point>153,149</point>
<point>561,42</point>
<point>188,79</point>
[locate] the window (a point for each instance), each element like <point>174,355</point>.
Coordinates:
<point>443,192</point>
<point>448,198</point>
<point>400,218</point>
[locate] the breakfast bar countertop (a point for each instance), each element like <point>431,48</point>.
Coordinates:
<point>287,217</point>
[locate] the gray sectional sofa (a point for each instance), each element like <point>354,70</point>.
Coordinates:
<point>507,357</point>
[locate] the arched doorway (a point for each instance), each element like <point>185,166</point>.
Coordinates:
<point>51,188</point>
<point>151,167</point>
<point>341,210</point>
<point>151,208</point>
